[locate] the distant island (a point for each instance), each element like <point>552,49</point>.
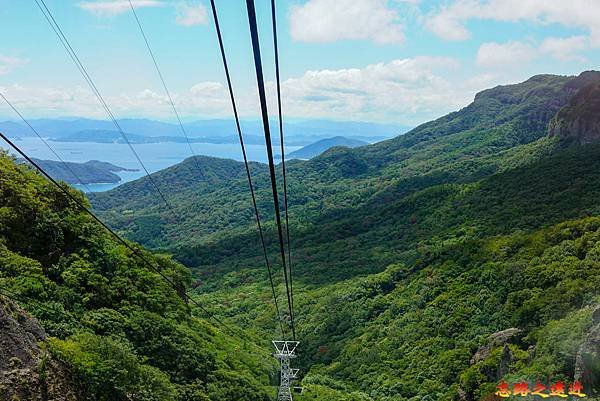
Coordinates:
<point>90,172</point>
<point>316,148</point>
<point>110,136</point>
<point>144,131</point>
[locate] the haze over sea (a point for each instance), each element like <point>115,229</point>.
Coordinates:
<point>156,156</point>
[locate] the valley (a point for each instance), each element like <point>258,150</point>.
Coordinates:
<point>486,193</point>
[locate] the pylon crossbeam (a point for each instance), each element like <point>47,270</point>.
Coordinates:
<point>286,350</point>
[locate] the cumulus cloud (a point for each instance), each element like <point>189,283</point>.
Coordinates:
<point>411,90</point>
<point>51,101</point>
<point>116,7</point>
<point>333,20</point>
<point>407,91</point>
<point>565,48</point>
<point>449,21</point>
<point>9,63</point>
<point>515,54</point>
<point>191,14</point>
<point>202,99</point>
<point>208,89</point>
<point>502,55</point>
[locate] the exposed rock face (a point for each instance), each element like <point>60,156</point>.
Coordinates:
<point>27,372</point>
<point>495,339</point>
<point>580,119</point>
<point>587,363</point>
<point>493,372</point>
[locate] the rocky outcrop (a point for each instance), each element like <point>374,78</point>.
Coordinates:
<point>580,119</point>
<point>494,340</point>
<point>27,371</point>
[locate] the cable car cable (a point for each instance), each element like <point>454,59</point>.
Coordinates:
<point>265,120</point>
<point>162,79</point>
<point>65,42</point>
<point>135,251</point>
<point>241,138</point>
<point>285,192</point>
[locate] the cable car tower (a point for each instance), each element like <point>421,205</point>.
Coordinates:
<point>285,351</point>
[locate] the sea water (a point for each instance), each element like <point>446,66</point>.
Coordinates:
<point>155,156</point>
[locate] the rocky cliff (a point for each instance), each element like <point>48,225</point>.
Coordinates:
<point>27,371</point>
<point>579,120</point>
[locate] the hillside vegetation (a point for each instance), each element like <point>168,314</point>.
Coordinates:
<point>118,327</point>
<point>426,267</point>
<point>481,139</point>
<point>410,253</point>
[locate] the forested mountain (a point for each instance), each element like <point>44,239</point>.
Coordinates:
<point>430,265</point>
<point>483,138</point>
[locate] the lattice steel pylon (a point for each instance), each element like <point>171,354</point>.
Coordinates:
<point>286,350</point>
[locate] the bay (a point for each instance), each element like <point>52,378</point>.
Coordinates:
<point>155,156</point>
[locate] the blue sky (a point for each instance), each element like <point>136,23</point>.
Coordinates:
<point>396,61</point>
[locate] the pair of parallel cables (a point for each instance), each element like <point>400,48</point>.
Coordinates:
<point>260,81</point>
<point>286,267</point>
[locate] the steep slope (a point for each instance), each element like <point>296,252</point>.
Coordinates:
<point>457,263</point>
<point>423,329</point>
<point>580,119</point>
<point>120,329</point>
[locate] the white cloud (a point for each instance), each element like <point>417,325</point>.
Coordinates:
<point>191,14</point>
<point>10,63</point>
<point>332,20</point>
<point>116,7</point>
<point>203,99</point>
<point>502,55</point>
<point>516,54</point>
<point>565,48</point>
<point>449,22</point>
<point>208,89</point>
<point>408,90</point>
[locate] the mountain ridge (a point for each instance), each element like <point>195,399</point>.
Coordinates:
<point>410,253</point>
<point>215,130</point>
<point>477,132</point>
